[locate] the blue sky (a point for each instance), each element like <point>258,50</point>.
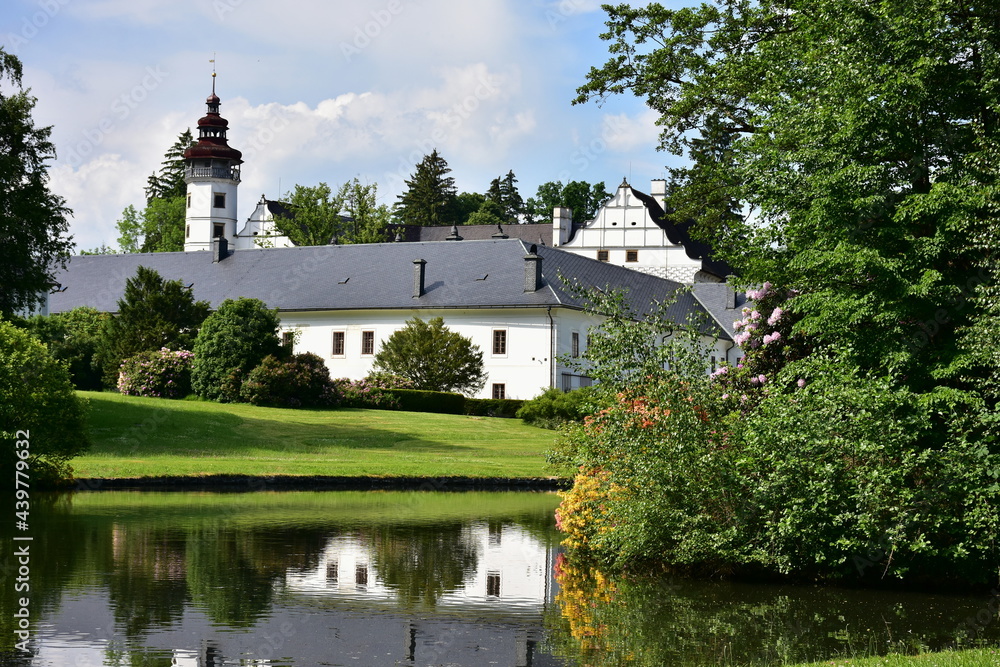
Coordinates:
<point>327,91</point>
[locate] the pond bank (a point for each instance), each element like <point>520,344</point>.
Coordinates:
<point>237,483</point>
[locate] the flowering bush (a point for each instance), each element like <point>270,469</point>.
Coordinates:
<point>366,393</point>
<point>766,334</point>
<point>161,374</point>
<point>300,381</point>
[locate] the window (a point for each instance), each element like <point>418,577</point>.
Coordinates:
<point>332,571</point>
<point>187,231</point>
<point>367,342</point>
<point>219,200</point>
<point>189,200</point>
<point>631,255</point>
<point>567,382</point>
<point>499,341</point>
<point>288,339</point>
<point>575,347</point>
<point>337,350</point>
<point>361,575</point>
<point>493,584</point>
<point>218,230</point>
<point>602,255</point>
<point>499,390</point>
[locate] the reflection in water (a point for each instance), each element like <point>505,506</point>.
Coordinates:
<point>296,579</point>
<point>286,579</point>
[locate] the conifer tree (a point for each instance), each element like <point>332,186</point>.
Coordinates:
<point>503,191</point>
<point>430,194</point>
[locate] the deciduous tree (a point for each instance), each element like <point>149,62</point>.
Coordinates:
<point>583,198</point>
<point>434,357</point>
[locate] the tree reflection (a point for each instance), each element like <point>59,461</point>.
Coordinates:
<point>422,563</point>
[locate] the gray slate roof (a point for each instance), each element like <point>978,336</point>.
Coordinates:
<point>540,233</point>
<point>458,274</point>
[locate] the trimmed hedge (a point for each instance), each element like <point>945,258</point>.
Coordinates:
<point>416,400</point>
<point>493,407</point>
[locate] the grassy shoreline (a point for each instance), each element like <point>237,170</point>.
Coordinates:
<point>149,438</point>
<point>984,657</point>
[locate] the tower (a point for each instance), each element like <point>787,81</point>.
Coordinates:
<point>212,174</point>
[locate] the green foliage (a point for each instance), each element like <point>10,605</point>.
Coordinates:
<point>74,338</point>
<point>493,407</point>
<point>812,119</point>
<point>433,356</point>
<point>299,381</point>
<point>554,407</point>
<point>153,313</point>
<point>33,222</point>
<point>489,213</point>
<point>416,400</point>
<point>160,374</point>
<point>233,341</point>
<point>430,194</point>
<point>37,398</point>
<point>583,198</point>
<point>163,225</point>
<point>503,192</point>
<point>317,218</point>
<point>464,205</point>
<point>169,183</point>
<point>321,216</point>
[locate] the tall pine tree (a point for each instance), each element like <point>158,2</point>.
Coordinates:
<point>430,194</point>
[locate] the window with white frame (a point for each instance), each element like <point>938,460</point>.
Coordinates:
<point>499,342</point>
<point>367,343</point>
<point>499,390</point>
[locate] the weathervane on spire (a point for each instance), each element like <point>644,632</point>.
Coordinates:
<point>213,72</point>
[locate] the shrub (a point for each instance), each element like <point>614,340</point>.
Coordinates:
<point>434,357</point>
<point>301,381</point>
<point>554,407</point>
<point>162,374</point>
<point>364,394</point>
<point>232,342</point>
<point>74,338</point>
<point>493,407</point>
<point>415,400</point>
<point>37,397</point>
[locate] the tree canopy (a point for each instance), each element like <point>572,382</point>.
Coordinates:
<point>503,192</point>
<point>583,198</point>
<point>430,194</point>
<point>153,313</point>
<point>839,148</point>
<point>320,216</point>
<point>159,227</point>
<point>34,239</point>
<point>433,356</point>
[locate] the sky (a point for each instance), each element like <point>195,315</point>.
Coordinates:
<point>323,91</point>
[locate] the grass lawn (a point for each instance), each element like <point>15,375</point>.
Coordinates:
<point>989,657</point>
<point>147,437</point>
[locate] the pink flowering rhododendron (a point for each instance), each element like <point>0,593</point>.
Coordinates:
<point>775,316</point>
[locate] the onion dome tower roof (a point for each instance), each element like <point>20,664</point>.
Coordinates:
<point>212,141</point>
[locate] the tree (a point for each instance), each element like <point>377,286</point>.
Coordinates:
<point>503,192</point>
<point>169,183</point>
<point>464,205</point>
<point>434,357</point>
<point>160,225</point>
<point>855,140</point>
<point>369,219</point>
<point>38,408</point>
<point>152,314</point>
<point>73,337</point>
<point>583,198</point>
<point>317,217</point>
<point>430,194</point>
<point>33,222</point>
<point>489,213</point>
<point>232,342</point>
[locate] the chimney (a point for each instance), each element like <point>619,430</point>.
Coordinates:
<point>454,236</point>
<point>418,277</point>
<point>730,296</point>
<point>658,189</point>
<point>532,270</point>
<point>220,249</point>
<point>562,225</point>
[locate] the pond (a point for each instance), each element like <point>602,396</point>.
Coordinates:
<point>403,578</point>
